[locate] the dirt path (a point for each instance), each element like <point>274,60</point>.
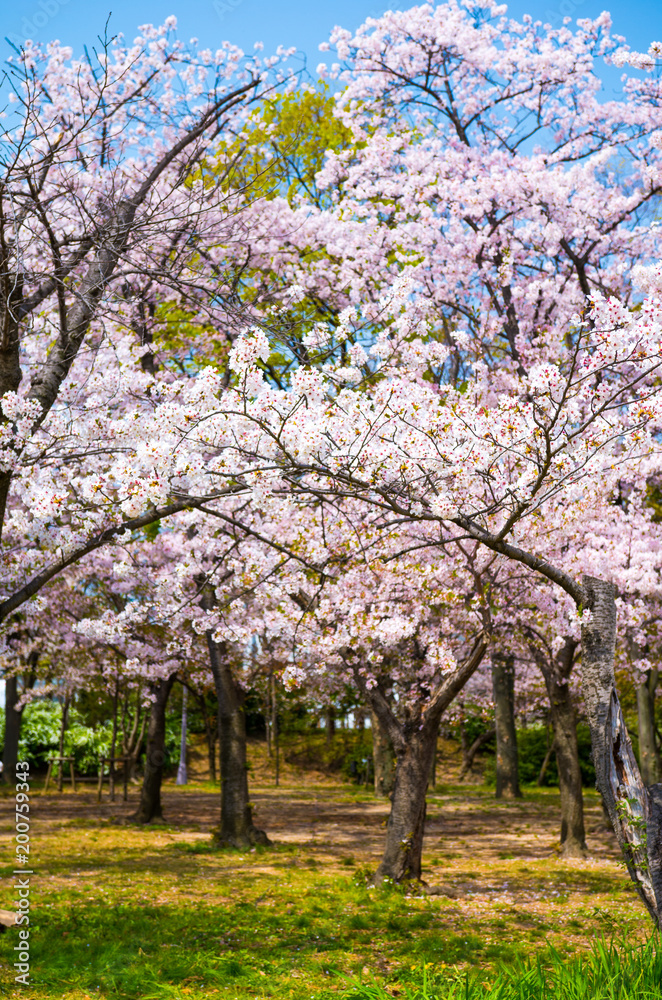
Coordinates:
<point>339,821</point>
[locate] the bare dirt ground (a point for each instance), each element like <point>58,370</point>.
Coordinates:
<point>316,810</point>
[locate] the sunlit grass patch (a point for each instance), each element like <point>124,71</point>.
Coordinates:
<point>129,913</point>
<point>608,972</point>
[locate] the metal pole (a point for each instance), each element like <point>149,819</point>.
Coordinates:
<point>182,777</point>
<point>111,776</point>
<point>274,725</point>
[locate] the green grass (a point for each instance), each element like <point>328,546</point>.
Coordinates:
<point>289,932</point>
<point>606,973</point>
<point>127,913</point>
<point>321,930</point>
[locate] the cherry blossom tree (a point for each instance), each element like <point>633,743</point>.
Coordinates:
<point>483,462</point>
<point>519,203</point>
<point>105,219</point>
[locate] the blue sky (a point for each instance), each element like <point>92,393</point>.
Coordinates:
<point>288,22</point>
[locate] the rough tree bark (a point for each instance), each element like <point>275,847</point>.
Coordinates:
<point>414,741</point>
<point>383,758</point>
<point>556,671</point>
<point>237,828</point>
<point>634,810</point>
<point>150,809</point>
<point>503,686</point>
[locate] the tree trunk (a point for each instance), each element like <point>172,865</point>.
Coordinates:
<point>268,710</point>
<point>634,810</point>
<point>573,833</point>
<point>132,742</point>
<point>150,809</point>
<point>649,754</point>
<point>211,735</point>
<point>469,752</point>
<point>236,829</point>
<point>383,758</point>
<point>63,730</point>
<point>545,765</point>
<point>113,743</point>
<point>330,723</point>
<point>13,717</point>
<point>402,856</point>
<point>211,754</point>
<point>556,672</point>
<point>503,685</point>
<point>433,766</point>
<point>414,741</point>
<point>134,753</point>
<point>275,735</point>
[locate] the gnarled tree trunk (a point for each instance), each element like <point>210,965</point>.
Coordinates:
<point>503,686</point>
<point>406,824</point>
<point>414,741</point>
<point>556,672</point>
<point>150,808</point>
<point>635,811</point>
<point>237,828</point>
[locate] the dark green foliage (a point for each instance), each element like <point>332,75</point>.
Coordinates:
<point>532,744</point>
<point>348,753</point>
<point>475,722</point>
<point>40,737</point>
<point>356,758</point>
<point>85,742</point>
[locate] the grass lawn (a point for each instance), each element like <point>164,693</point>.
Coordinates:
<point>119,911</point>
